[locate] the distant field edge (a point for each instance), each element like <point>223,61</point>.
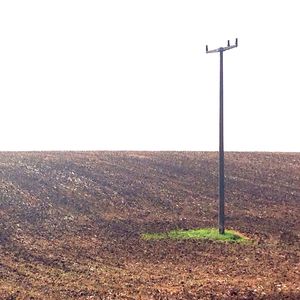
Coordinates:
<point>230,236</point>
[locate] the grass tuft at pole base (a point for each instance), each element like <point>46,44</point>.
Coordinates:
<point>201,233</point>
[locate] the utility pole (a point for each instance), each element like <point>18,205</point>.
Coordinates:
<point>221,138</point>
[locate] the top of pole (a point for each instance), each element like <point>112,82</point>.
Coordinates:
<point>222,49</point>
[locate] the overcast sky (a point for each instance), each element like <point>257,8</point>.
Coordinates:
<point>134,75</point>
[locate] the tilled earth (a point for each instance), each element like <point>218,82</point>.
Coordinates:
<point>70,225</point>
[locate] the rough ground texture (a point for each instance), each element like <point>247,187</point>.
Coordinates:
<point>70,225</point>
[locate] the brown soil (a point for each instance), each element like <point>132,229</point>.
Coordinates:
<point>70,225</point>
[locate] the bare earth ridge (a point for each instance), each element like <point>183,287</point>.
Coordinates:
<point>70,225</point>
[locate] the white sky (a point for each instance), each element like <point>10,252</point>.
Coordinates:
<point>134,75</point>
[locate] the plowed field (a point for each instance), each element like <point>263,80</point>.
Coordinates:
<point>70,225</point>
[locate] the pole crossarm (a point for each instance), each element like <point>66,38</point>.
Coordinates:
<point>222,49</point>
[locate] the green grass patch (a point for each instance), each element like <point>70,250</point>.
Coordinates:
<point>204,233</point>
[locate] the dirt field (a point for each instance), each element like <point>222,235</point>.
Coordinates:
<point>70,225</point>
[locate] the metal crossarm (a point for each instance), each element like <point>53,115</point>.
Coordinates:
<point>222,49</point>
